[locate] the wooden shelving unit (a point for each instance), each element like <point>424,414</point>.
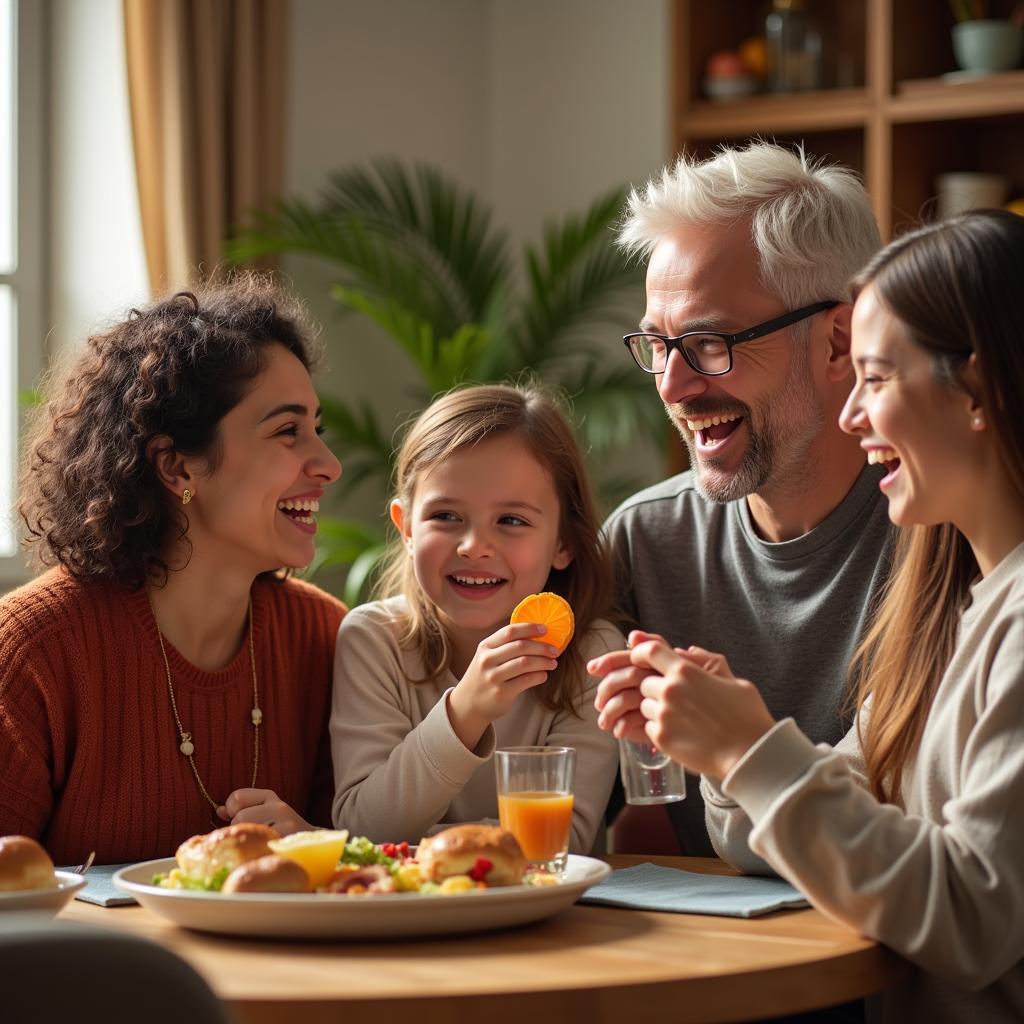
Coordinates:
<point>896,119</point>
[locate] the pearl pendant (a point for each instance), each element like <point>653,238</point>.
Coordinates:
<point>186,746</point>
<point>257,716</point>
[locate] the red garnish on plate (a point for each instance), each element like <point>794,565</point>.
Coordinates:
<point>480,869</point>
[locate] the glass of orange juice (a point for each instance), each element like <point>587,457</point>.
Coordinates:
<point>535,800</point>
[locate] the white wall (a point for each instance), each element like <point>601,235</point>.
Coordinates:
<point>97,263</point>
<point>580,103</point>
<point>387,77</point>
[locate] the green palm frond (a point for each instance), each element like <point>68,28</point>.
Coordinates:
<point>437,222</point>
<point>353,431</point>
<point>616,405</point>
<point>362,572</point>
<point>577,283</point>
<point>341,542</point>
<point>292,225</point>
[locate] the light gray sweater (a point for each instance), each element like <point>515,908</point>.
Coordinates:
<point>399,768</point>
<point>943,882</point>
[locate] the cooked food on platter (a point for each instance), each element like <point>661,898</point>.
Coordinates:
<point>252,858</point>
<point>268,874</point>
<point>205,861</point>
<point>482,852</point>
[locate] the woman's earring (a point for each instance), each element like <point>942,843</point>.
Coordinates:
<point>977,421</point>
<point>186,496</point>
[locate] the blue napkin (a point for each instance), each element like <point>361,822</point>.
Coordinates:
<point>650,887</point>
<point>100,889</point>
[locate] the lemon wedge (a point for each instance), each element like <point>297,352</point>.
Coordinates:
<point>318,852</point>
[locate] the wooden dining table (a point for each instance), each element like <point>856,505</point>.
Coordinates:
<point>600,964</point>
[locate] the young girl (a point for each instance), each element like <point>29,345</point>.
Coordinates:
<point>910,829</point>
<point>492,505</point>
<point>159,680</point>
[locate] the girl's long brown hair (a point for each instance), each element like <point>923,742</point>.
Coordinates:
<point>458,421</point>
<point>955,287</point>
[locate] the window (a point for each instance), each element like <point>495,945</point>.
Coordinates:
<point>22,121</point>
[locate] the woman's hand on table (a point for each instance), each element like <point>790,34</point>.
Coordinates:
<point>265,807</point>
<point>687,702</point>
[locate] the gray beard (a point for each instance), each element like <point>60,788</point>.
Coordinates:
<point>789,421</point>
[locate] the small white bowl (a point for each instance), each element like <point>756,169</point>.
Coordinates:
<point>728,88</point>
<point>49,901</point>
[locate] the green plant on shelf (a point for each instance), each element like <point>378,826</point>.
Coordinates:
<point>968,10</point>
<point>978,10</point>
<point>419,256</point>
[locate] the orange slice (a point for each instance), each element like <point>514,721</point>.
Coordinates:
<point>548,610</point>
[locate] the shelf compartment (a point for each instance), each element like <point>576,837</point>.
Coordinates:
<point>823,110</point>
<point>922,45</point>
<point>923,150</point>
<point>928,99</point>
<point>705,27</point>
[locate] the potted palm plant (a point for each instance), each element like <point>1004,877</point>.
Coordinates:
<point>419,256</point>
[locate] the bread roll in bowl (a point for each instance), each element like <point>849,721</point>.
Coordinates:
<point>268,874</point>
<point>204,856</point>
<point>24,864</point>
<point>460,850</point>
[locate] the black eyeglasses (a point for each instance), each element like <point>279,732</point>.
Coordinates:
<point>708,352</point>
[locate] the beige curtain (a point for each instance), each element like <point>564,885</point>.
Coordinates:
<point>206,85</point>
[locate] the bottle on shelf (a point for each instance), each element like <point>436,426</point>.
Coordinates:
<point>794,48</point>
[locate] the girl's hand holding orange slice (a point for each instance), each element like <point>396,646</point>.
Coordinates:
<point>549,610</point>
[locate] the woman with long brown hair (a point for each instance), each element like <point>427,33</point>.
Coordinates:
<point>909,829</point>
<point>161,677</point>
<point>492,505</point>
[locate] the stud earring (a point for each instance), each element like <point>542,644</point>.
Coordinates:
<point>977,421</point>
<point>186,496</point>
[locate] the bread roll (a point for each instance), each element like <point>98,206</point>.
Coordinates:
<point>268,874</point>
<point>459,850</point>
<point>203,856</point>
<point>24,864</point>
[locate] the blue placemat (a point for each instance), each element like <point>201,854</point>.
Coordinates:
<point>650,887</point>
<point>100,889</point>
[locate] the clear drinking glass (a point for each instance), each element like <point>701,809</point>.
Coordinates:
<point>535,801</point>
<point>648,775</point>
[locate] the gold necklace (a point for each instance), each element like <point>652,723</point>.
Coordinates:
<point>186,745</point>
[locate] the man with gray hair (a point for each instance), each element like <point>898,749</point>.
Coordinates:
<point>772,546</point>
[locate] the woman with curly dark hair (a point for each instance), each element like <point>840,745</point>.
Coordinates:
<point>162,677</point>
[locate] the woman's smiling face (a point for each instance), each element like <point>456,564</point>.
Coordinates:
<point>908,419</point>
<point>255,510</point>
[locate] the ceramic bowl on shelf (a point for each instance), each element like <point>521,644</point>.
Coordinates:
<point>724,89</point>
<point>988,45</point>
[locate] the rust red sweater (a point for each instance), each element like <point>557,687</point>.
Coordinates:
<point>89,756</point>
